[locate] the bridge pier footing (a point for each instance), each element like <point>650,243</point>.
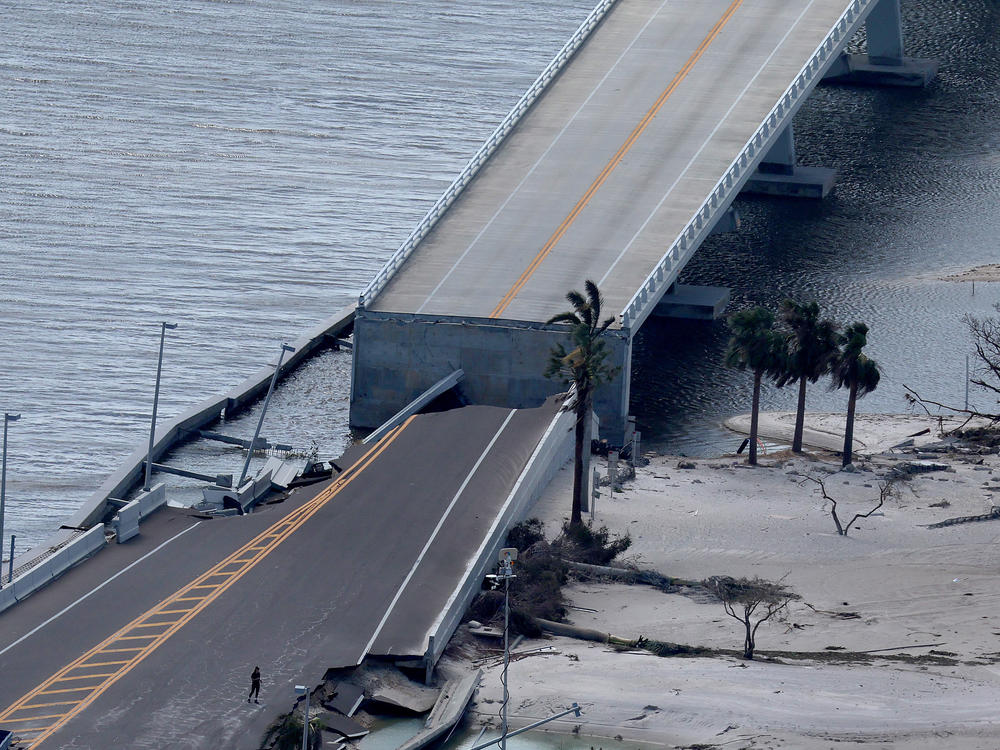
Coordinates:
<point>885,64</point>
<point>865,70</point>
<point>778,174</point>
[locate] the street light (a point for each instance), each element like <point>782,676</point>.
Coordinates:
<point>156,398</point>
<point>304,692</point>
<point>263,410</point>
<point>7,417</point>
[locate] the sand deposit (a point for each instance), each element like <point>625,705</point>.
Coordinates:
<point>925,604</point>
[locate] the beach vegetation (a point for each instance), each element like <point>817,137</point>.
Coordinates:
<point>583,365</point>
<point>751,601</point>
<point>809,354</point>
<point>886,489</point>
<point>755,345</point>
<point>854,370</point>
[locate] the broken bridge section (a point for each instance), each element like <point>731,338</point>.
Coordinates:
<point>381,560</point>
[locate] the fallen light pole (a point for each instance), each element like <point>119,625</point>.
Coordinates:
<point>505,573</point>
<point>164,326</point>
<point>263,411</point>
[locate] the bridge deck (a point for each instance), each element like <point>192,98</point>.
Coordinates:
<point>613,160</point>
<point>150,644</point>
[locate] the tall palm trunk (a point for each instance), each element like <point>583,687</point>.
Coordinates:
<point>849,428</point>
<point>800,417</point>
<point>581,451</point>
<point>758,375</point>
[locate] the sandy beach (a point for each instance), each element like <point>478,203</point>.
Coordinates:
<point>922,601</point>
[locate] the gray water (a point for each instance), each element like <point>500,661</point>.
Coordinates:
<point>243,168</point>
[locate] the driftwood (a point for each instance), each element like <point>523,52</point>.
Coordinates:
<point>994,514</point>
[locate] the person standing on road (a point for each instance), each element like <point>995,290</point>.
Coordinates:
<point>254,685</point>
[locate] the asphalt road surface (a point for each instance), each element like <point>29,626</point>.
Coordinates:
<point>150,644</point>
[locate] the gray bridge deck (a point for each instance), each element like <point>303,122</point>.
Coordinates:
<point>150,643</point>
<point>613,160</point>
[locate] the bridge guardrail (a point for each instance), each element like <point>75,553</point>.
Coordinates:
<point>424,226</point>
<point>730,184</point>
<point>83,546</point>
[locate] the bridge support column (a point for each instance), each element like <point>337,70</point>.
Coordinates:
<point>884,64</point>
<point>729,221</point>
<point>778,174</point>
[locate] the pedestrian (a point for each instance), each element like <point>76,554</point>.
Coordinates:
<point>254,685</point>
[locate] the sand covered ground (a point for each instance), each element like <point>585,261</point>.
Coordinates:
<point>989,272</point>
<point>926,601</point>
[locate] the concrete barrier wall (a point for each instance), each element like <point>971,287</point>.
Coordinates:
<point>33,579</point>
<point>553,451</point>
<point>398,356</point>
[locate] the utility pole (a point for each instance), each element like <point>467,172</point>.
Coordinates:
<point>505,573</point>
<point>156,398</point>
<point>7,417</point>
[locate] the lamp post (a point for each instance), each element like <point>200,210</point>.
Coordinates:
<point>263,411</point>
<point>304,692</point>
<point>156,398</point>
<point>7,418</point>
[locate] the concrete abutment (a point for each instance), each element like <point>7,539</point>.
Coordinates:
<point>398,356</point>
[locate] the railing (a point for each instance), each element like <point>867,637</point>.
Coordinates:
<point>508,123</point>
<point>729,185</point>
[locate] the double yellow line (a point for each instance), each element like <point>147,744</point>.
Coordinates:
<point>615,161</point>
<point>46,709</point>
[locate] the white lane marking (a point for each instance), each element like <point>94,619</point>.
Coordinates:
<point>97,588</point>
<point>703,145</point>
<point>541,158</point>
<point>430,540</point>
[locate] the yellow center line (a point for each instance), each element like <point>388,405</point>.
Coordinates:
<point>292,522</point>
<point>614,162</point>
<point>46,705</point>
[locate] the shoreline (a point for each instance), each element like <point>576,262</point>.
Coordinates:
<point>922,599</point>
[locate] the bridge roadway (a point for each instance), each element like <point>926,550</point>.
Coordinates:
<point>613,160</point>
<point>150,644</point>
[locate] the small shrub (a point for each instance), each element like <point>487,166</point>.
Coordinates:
<point>526,533</point>
<point>582,543</point>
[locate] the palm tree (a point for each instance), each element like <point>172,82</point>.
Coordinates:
<point>584,367</point>
<point>754,345</point>
<point>857,372</point>
<point>811,349</point>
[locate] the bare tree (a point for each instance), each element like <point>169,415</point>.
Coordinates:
<point>751,601</point>
<point>886,490</point>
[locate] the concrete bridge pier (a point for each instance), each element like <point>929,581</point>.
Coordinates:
<point>398,356</point>
<point>884,64</point>
<point>778,174</point>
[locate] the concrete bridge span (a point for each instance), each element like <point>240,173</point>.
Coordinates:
<point>614,167</point>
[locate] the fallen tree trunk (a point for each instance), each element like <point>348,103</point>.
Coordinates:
<point>648,577</point>
<point>572,631</point>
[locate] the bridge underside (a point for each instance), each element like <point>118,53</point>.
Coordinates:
<point>616,173</point>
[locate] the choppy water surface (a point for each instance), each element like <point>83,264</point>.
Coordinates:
<point>243,169</point>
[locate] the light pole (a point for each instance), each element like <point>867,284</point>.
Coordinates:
<point>304,692</point>
<point>156,398</point>
<point>263,410</point>
<point>7,417</point>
